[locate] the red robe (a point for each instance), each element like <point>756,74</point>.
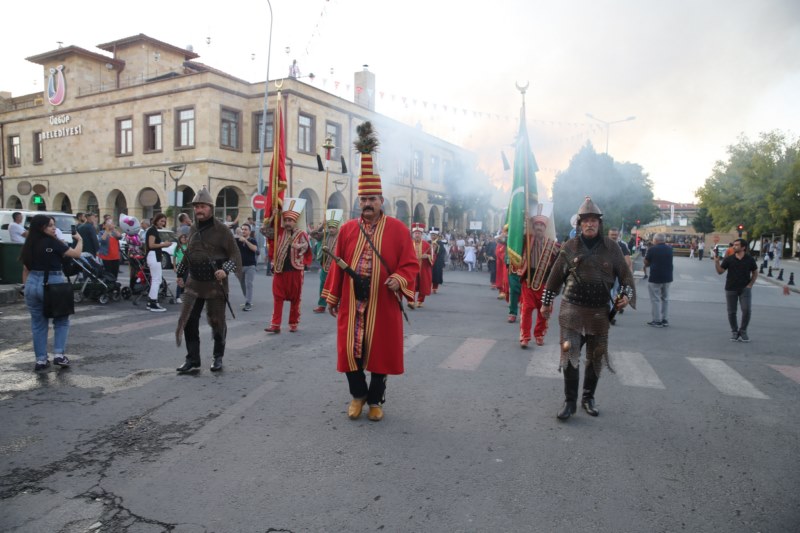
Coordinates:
<point>501,277</point>
<point>383,326</point>
<point>288,285</point>
<point>425,276</point>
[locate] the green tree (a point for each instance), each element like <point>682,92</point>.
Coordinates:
<point>703,222</point>
<point>758,186</point>
<point>622,190</point>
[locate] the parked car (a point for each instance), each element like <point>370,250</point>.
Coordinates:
<point>64,222</point>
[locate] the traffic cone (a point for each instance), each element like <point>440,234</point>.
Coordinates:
<point>780,275</point>
<point>769,272</point>
<point>791,278</point>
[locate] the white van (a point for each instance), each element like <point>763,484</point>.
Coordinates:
<point>64,222</point>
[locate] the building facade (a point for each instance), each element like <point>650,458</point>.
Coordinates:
<point>121,130</point>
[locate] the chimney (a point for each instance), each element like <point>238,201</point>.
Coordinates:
<point>365,89</point>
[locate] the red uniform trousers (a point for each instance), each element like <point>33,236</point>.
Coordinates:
<point>531,300</point>
<point>287,286</point>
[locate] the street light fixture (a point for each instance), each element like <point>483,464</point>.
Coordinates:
<point>176,172</point>
<point>608,124</point>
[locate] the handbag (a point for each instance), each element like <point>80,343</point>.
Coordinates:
<point>58,298</point>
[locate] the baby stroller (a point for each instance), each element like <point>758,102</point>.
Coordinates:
<point>90,280</point>
<point>139,286</point>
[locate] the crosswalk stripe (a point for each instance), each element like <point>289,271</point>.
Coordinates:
<point>687,277</point>
<point>634,370</point>
<point>103,318</point>
<point>791,372</point>
<point>27,316</point>
<point>468,355</point>
<point>725,379</point>
<point>412,341</point>
<point>205,329</point>
<point>246,341</point>
<point>134,326</point>
<point>544,362</point>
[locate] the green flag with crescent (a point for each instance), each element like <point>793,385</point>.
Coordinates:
<point>523,193</point>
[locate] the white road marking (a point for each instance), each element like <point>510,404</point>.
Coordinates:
<point>544,362</point>
<point>726,379</point>
<point>634,370</point>
<point>412,341</point>
<point>468,355</point>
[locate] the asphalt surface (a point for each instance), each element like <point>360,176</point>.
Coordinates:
<point>695,433</point>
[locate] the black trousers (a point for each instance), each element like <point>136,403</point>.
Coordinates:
<point>191,333</point>
<point>358,385</point>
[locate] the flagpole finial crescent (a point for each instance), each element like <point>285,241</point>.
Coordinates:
<point>278,84</point>
<point>523,88</point>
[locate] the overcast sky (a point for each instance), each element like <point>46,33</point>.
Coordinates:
<point>696,74</point>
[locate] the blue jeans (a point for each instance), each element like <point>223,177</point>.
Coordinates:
<point>34,299</point>
<point>744,299</point>
<point>659,300</point>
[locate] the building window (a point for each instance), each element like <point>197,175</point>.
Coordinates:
<point>152,132</point>
<point>14,151</point>
<point>125,136</point>
<point>38,148</point>
<point>416,165</point>
<point>184,135</point>
<point>229,124</point>
<point>305,133</point>
<point>257,121</point>
<point>435,169</point>
<point>333,131</point>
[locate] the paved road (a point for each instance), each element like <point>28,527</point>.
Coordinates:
<point>696,433</point>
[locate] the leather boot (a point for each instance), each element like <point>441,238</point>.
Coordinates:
<point>216,366</point>
<point>188,366</point>
<point>589,386</point>
<point>571,383</point>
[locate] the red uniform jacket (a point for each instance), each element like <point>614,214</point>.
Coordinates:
<point>383,335</point>
<point>425,267</point>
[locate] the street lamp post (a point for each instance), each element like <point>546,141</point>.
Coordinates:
<point>176,172</point>
<point>608,125</point>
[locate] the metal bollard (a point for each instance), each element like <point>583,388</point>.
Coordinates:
<point>761,269</point>
<point>791,278</point>
<point>769,272</point>
<point>780,275</point>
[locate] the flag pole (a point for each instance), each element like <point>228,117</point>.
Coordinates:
<point>527,248</point>
<point>328,146</point>
<point>276,162</point>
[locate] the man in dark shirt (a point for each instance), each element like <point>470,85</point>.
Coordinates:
<point>88,232</point>
<point>659,259</point>
<point>248,249</point>
<point>742,275</point>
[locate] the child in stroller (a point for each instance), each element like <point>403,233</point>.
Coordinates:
<point>90,280</point>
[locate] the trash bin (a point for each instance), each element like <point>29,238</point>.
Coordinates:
<point>10,265</point>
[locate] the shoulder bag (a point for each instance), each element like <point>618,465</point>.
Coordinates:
<point>58,298</point>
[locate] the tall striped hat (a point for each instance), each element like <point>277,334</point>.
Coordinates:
<point>369,183</point>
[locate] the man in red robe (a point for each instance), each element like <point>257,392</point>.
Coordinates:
<point>290,255</point>
<point>364,291</point>
<point>425,258</point>
<point>502,267</point>
<point>539,255</point>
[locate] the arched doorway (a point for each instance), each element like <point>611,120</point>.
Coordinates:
<point>312,204</point>
<point>88,203</point>
<point>61,203</point>
<point>188,196</point>
<point>337,201</point>
<point>403,212</point>
<point>227,204</point>
<point>419,213</point>
<point>118,203</point>
<point>14,202</point>
<point>37,207</point>
<point>433,217</point>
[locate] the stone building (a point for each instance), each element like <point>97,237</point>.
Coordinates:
<point>120,129</point>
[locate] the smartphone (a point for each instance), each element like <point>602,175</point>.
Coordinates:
<point>73,229</point>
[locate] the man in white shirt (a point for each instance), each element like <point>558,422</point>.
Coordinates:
<point>16,231</point>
